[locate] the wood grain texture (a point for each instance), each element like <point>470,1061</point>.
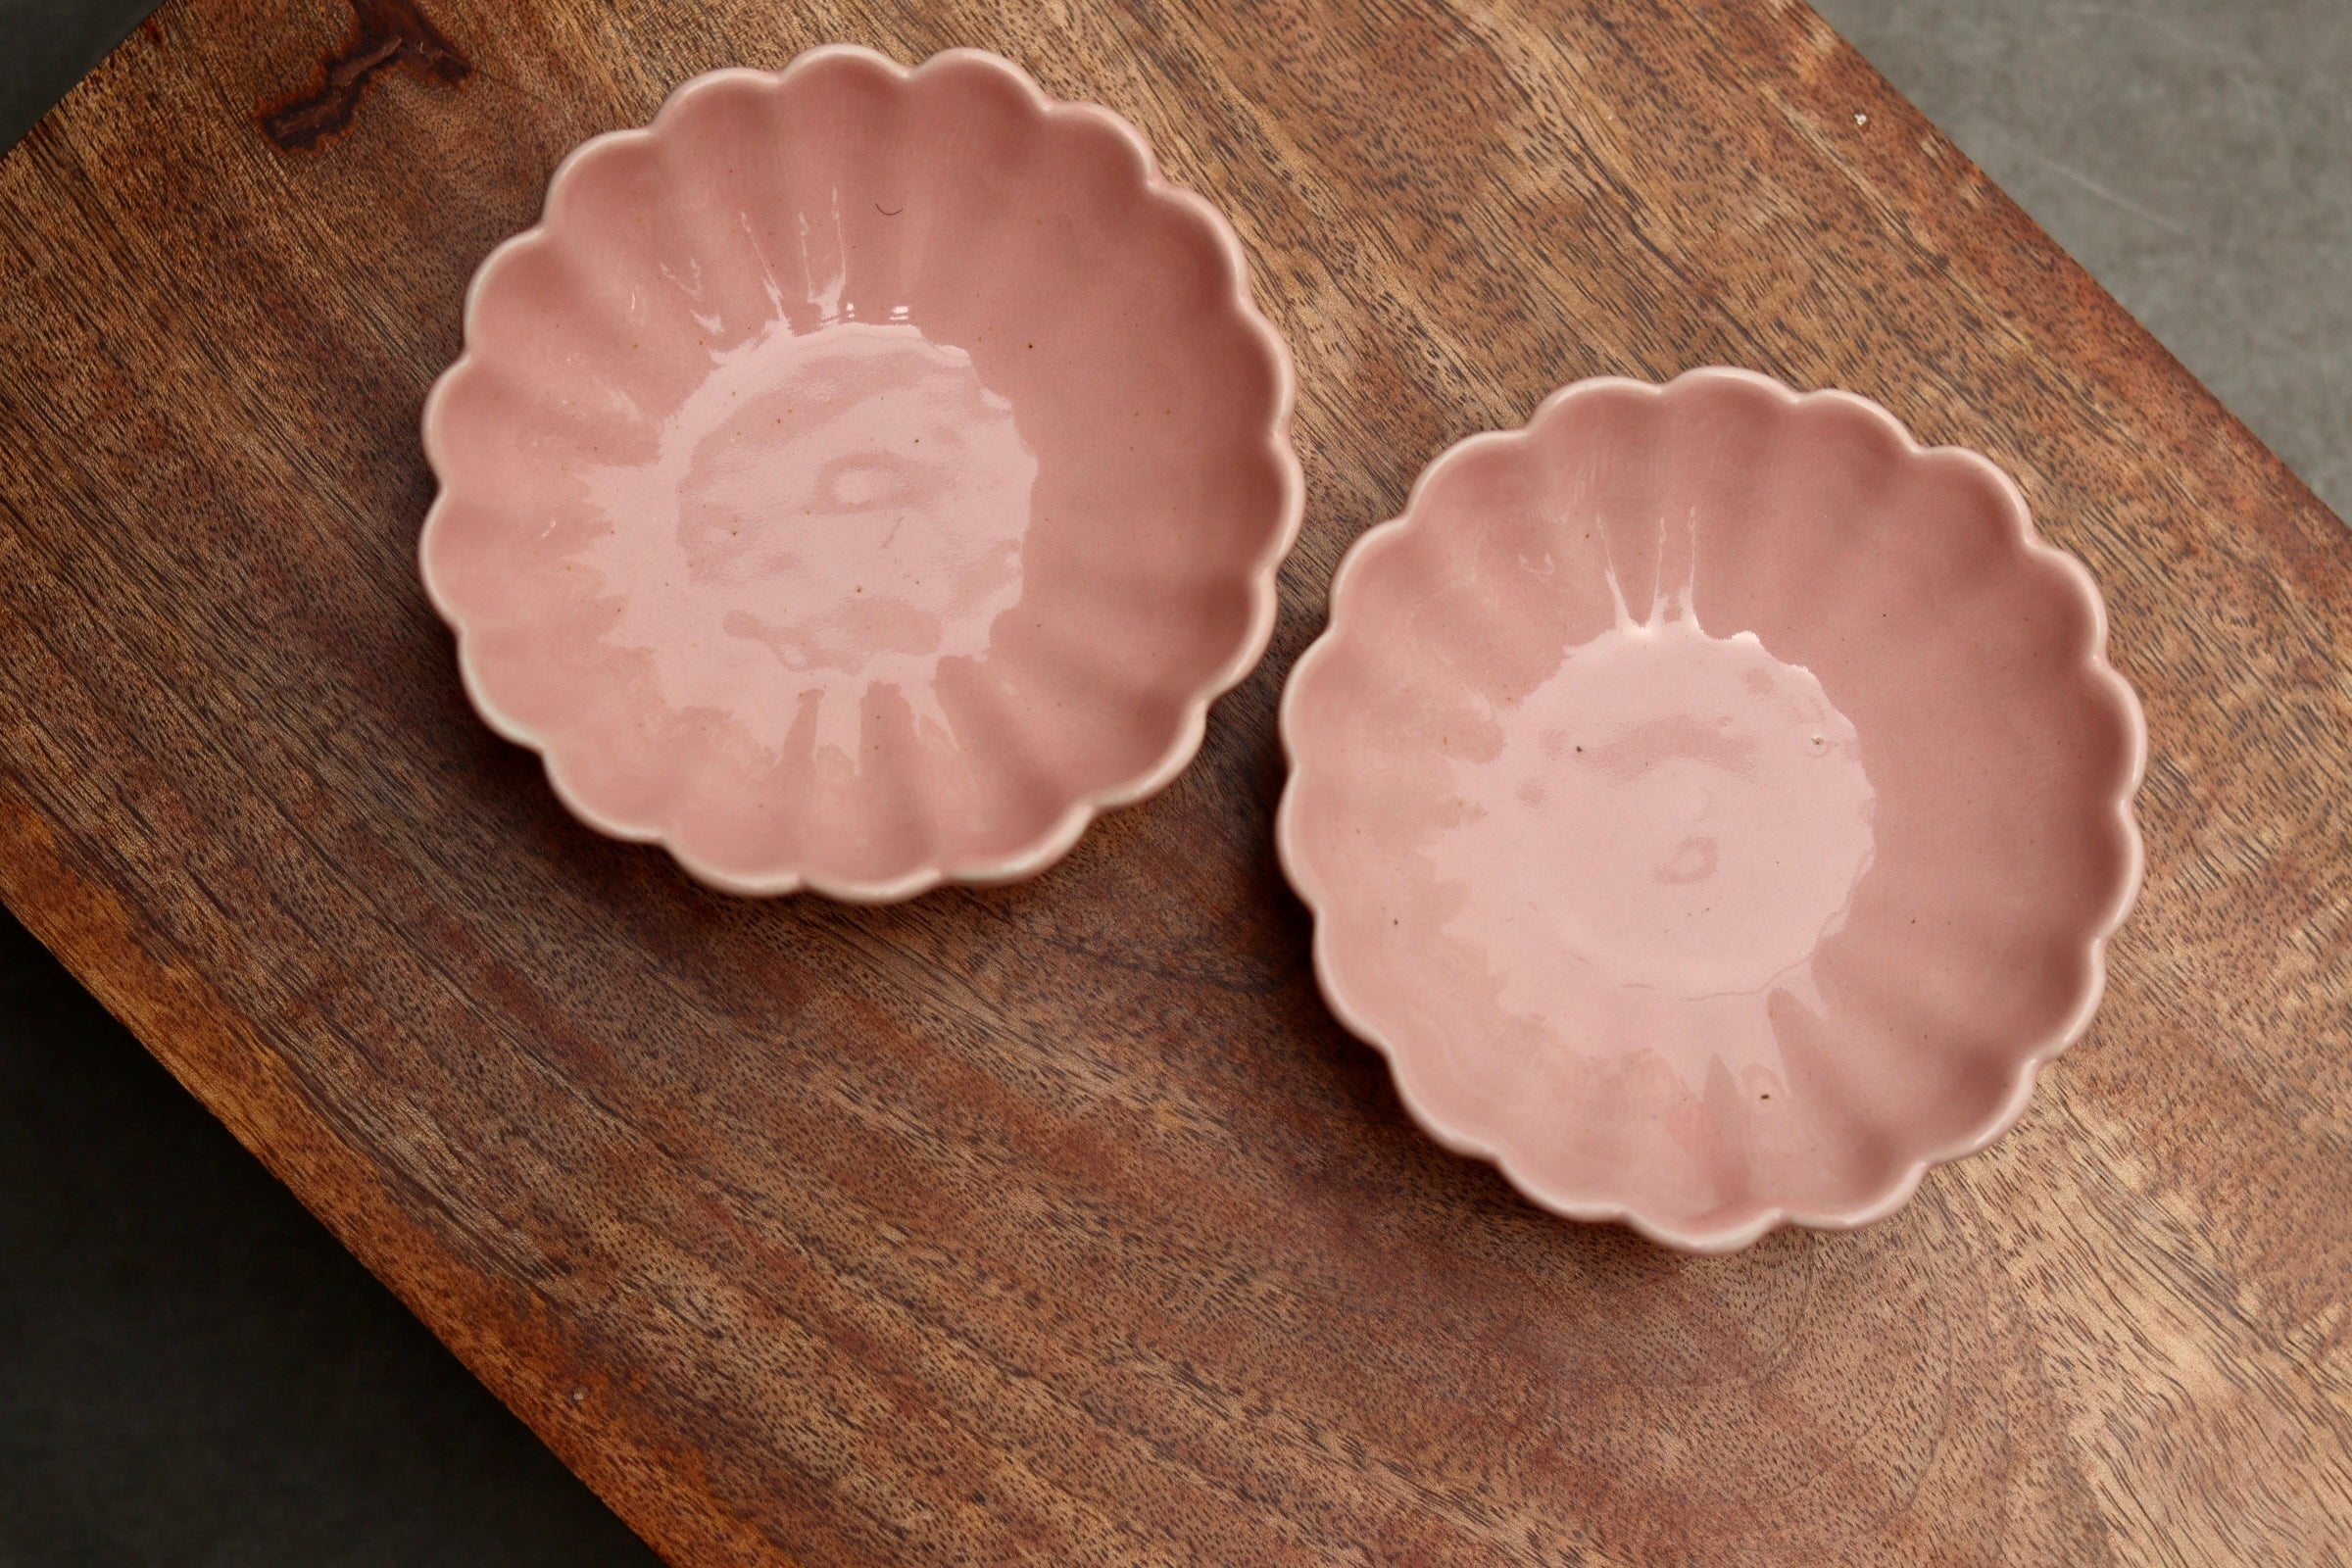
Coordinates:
<point>1059,1223</point>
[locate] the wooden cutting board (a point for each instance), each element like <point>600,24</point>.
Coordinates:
<point>1059,1223</point>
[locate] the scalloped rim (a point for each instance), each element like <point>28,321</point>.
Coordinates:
<point>1058,837</point>
<point>2041,1052</point>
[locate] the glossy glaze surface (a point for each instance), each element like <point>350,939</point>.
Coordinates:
<point>860,476</point>
<point>1712,802</point>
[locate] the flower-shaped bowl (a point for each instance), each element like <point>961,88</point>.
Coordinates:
<point>860,476</point>
<point>1714,805</point>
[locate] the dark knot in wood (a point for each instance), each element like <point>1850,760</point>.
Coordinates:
<point>385,35</point>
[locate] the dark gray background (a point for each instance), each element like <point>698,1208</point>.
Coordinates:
<point>193,1373</point>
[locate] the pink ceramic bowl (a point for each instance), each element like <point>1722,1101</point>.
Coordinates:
<point>1714,805</point>
<point>861,476</point>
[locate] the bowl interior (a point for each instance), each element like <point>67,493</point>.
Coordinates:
<point>1712,802</point>
<point>858,469</point>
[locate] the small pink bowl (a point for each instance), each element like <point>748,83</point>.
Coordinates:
<point>1714,805</point>
<point>861,476</point>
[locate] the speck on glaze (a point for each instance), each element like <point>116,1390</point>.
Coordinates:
<point>861,476</point>
<point>1750,903</point>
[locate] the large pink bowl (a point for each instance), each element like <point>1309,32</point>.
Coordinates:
<point>861,476</point>
<point>1713,804</point>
